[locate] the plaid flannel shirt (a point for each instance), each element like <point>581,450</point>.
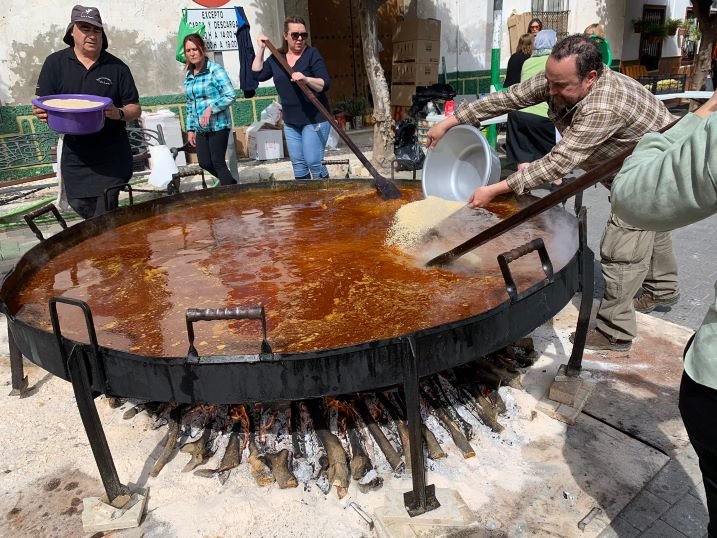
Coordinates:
<point>209,88</point>
<point>616,113</point>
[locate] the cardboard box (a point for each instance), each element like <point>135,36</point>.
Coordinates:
<point>402,94</point>
<point>241,142</point>
<point>415,29</point>
<point>265,142</point>
<point>421,51</point>
<point>415,73</point>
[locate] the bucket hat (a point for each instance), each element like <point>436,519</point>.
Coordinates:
<point>89,15</point>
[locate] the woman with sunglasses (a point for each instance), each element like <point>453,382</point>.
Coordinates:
<point>305,129</point>
<point>209,95</point>
<point>534,26</point>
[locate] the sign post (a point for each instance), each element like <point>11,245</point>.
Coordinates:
<point>221,28</point>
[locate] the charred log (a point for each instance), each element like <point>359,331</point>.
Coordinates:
<point>394,459</point>
<point>170,442</point>
<point>198,450</point>
<point>338,471</point>
<point>279,465</point>
<point>447,404</point>
<point>453,428</point>
<point>435,452</point>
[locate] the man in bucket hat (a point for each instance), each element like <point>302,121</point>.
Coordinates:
<point>89,164</point>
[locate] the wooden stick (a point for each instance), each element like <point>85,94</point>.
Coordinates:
<point>279,464</point>
<point>454,429</point>
<point>169,444</point>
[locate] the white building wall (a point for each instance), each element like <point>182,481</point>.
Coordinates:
<point>675,9</point>
<point>142,33</point>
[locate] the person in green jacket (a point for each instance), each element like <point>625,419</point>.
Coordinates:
<point>671,181</point>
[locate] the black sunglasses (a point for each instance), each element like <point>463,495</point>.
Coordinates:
<point>296,35</point>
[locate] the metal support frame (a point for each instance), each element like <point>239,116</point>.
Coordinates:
<point>422,498</point>
<point>17,371</point>
<point>79,371</point>
<point>587,261</point>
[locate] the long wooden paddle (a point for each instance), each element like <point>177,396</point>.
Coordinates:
<point>385,187</point>
<point>588,179</point>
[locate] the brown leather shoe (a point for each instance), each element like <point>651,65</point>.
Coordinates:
<point>647,302</point>
<point>599,341</point>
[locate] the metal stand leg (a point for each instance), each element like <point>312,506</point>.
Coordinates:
<point>423,498</point>
<point>17,372</point>
<point>93,427</point>
<point>587,261</point>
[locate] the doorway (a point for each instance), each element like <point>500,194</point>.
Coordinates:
<point>651,46</point>
<point>336,32</point>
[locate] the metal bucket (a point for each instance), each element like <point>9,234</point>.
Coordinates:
<point>461,162</point>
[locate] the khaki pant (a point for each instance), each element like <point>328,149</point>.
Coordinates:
<point>631,258</point>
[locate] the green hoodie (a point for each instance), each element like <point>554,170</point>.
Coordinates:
<point>670,181</point>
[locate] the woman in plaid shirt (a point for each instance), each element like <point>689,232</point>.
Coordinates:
<point>209,95</point>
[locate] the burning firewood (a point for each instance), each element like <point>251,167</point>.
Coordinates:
<point>233,451</point>
<point>279,464</point>
<point>362,469</point>
<point>453,428</point>
<point>259,469</point>
<point>297,439</point>
<point>394,459</point>
<point>448,404</point>
<point>478,403</point>
<point>435,452</point>
<point>338,472</point>
<point>198,450</point>
<point>170,441</point>
<point>399,420</point>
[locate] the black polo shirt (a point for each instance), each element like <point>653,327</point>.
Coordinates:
<point>91,163</point>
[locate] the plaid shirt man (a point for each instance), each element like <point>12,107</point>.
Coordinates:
<point>209,88</point>
<point>615,113</point>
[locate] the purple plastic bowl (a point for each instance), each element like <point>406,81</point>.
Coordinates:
<point>71,120</point>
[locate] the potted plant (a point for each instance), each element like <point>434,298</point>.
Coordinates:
<point>672,25</point>
<point>637,25</point>
<point>355,107</point>
<point>340,114</point>
<point>654,32</point>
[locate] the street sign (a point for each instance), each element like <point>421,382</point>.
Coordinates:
<point>220,24</point>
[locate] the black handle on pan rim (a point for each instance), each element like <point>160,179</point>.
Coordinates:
<point>512,255</point>
<point>32,215</point>
<point>385,187</point>
<point>125,186</point>
<point>588,179</point>
<point>213,314</point>
<point>91,334</point>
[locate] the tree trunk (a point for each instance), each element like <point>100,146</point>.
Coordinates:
<point>708,29</point>
<point>383,127</point>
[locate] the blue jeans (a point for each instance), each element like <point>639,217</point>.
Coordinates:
<point>306,145</point>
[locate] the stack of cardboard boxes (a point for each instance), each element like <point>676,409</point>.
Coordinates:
<point>416,54</point>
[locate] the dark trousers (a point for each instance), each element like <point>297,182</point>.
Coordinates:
<point>94,206</point>
<point>211,149</point>
<point>698,407</point>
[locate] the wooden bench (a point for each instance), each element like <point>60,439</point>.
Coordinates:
<point>634,71</point>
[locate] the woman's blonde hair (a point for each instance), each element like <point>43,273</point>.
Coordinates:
<point>525,44</point>
<point>595,29</point>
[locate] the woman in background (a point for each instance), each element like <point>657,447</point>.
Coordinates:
<point>515,62</point>
<point>305,129</point>
<point>534,26</point>
<point>209,95</point>
<point>596,32</point>
<point>531,135</point>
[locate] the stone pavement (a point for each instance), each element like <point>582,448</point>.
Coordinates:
<point>672,503</point>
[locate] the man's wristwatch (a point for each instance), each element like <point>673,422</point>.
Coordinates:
<point>121,113</point>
